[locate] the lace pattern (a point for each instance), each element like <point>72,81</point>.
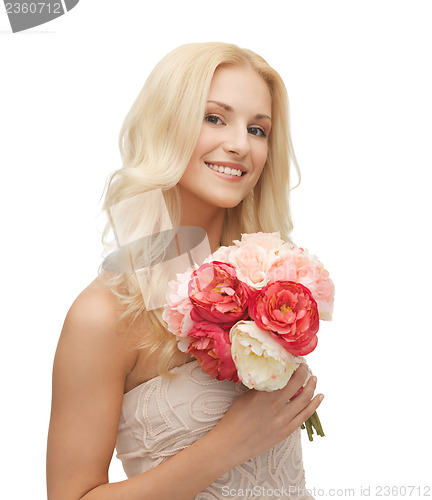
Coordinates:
<point>161,417</point>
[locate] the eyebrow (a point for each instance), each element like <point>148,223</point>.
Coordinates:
<point>229,109</point>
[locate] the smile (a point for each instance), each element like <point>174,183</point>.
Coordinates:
<point>232,172</point>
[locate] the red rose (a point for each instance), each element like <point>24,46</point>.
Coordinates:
<point>289,311</point>
<point>217,295</point>
<point>210,345</point>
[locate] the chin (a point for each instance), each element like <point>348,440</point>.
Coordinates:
<point>227,203</point>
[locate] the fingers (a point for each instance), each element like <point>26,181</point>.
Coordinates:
<point>293,413</point>
<point>297,381</point>
<point>303,406</point>
<point>308,411</point>
<point>281,397</point>
<point>289,401</point>
<point>271,415</point>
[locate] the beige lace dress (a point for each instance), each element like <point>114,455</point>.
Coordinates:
<point>161,417</point>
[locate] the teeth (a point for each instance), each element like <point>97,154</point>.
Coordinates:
<point>224,170</point>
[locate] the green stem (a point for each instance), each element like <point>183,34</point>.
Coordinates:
<point>309,429</point>
<point>318,426</point>
<point>313,422</point>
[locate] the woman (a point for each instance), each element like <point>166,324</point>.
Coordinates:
<point>209,128</point>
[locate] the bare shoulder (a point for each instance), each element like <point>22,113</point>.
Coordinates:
<point>96,305</point>
<point>93,358</point>
<point>94,332</point>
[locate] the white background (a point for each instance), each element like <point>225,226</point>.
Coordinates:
<point>359,79</point>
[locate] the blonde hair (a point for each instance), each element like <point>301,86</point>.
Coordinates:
<point>156,141</point>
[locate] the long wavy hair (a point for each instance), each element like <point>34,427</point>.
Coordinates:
<point>156,141</point>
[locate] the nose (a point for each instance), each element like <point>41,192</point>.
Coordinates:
<point>237,141</point>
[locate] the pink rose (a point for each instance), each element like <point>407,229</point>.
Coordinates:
<point>217,295</point>
<point>289,311</point>
<point>284,267</point>
<point>252,263</point>
<point>269,241</point>
<point>222,254</point>
<point>178,307</point>
<point>317,279</point>
<point>178,320</point>
<point>210,345</point>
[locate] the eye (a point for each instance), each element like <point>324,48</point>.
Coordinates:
<point>257,131</point>
<point>215,120</point>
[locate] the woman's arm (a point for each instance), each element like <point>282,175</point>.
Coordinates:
<point>90,367</point>
<point>91,364</point>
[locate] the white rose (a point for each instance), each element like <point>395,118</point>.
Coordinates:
<point>261,362</point>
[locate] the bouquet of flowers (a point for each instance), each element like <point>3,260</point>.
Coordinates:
<point>251,311</point>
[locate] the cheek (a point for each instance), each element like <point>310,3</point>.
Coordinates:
<point>205,142</point>
<point>260,155</point>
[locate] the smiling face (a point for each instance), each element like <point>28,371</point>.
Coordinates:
<point>233,139</point>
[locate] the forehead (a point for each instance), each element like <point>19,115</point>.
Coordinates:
<point>241,85</point>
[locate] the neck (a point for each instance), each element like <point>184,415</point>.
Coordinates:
<point>209,218</point>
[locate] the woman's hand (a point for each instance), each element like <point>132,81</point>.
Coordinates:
<point>258,420</point>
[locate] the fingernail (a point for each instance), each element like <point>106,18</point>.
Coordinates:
<point>314,379</point>
<point>321,397</point>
